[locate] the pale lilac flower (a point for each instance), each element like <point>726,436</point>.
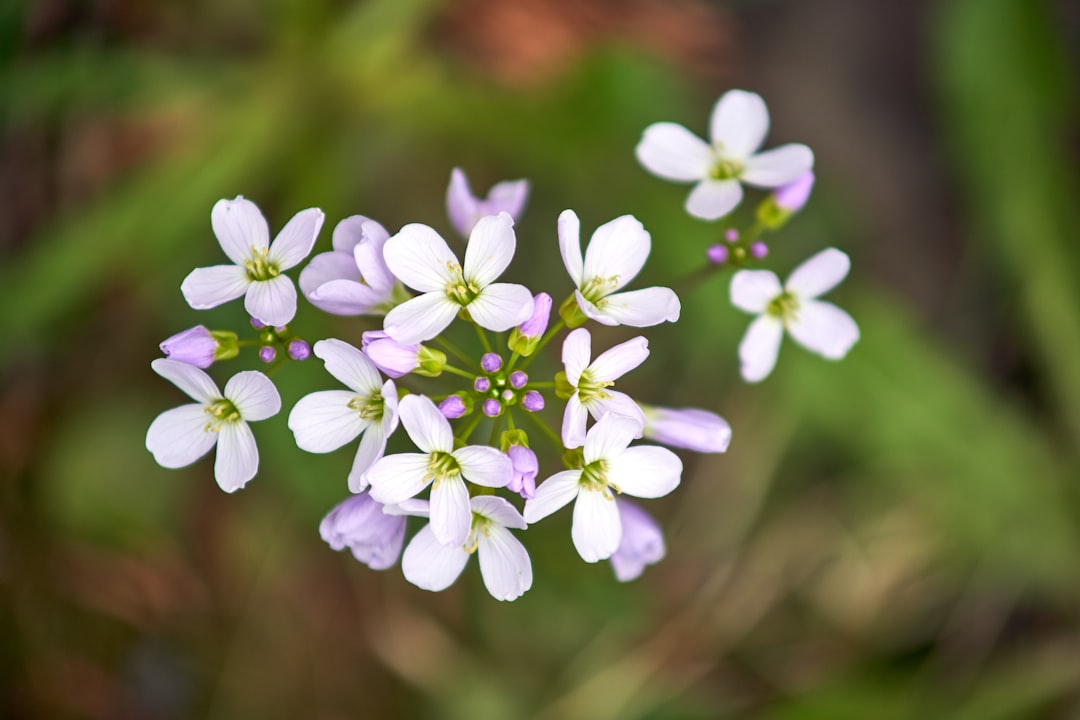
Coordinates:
<point>180,436</point>
<point>526,466</point>
<point>259,266</point>
<point>325,421</point>
<point>423,261</point>
<point>504,563</point>
<point>610,466</point>
<point>194,346</point>
<point>359,523</point>
<point>617,251</point>
<point>465,209</point>
<point>737,129</point>
<point>642,542</point>
<point>353,278</point>
<point>818,326</point>
<point>390,356</point>
<point>396,478</point>
<point>689,428</point>
<point>592,381</point>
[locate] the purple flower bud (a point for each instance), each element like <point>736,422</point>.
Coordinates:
<point>642,542</point>
<point>267,353</point>
<point>360,524</point>
<point>280,328</point>
<point>465,209</point>
<point>492,407</point>
<point>759,249</point>
<point>257,323</point>
<point>526,468</point>
<point>299,350</point>
<point>518,379</point>
<point>507,395</point>
<point>194,346</point>
<point>537,323</point>
<point>731,235</point>
<point>793,196</point>
<point>481,384</point>
<point>452,407</point>
<point>718,254</point>
<point>389,356</point>
<point>533,401</point>
<point>490,362</point>
<point>689,428</point>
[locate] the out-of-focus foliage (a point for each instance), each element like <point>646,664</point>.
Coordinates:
<point>893,536</point>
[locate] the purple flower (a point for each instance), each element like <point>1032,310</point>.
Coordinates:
<point>194,346</point>
<point>465,209</point>
<point>526,466</point>
<point>689,428</point>
<point>642,542</point>
<point>360,524</point>
<point>793,196</point>
<point>717,254</point>
<point>353,278</point>
<point>390,356</point>
<point>267,353</point>
<point>299,350</point>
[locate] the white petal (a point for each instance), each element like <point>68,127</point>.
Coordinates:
<point>597,529</point>
<point>451,514</point>
<point>778,166</point>
<point>759,348</point>
<point>421,318</point>
<point>674,153</point>
<point>490,249</point>
<point>345,297</point>
<point>396,478</point>
<point>429,565</point>
<point>617,252</point>
<point>272,301</point>
<point>819,274</point>
<point>713,199</point>
<point>239,226</point>
<point>498,510</point>
<point>752,290</point>
<point>371,449</point>
<point>645,471</point>
<point>237,456</point>
<point>576,351</point>
<point>484,466</point>
<point>325,267</point>
<point>323,421</point>
<point>823,328</point>
<point>209,287</point>
<point>637,308</point>
<point>504,564</point>
<point>179,437</point>
<point>420,258</point>
<point>196,384</point>
<point>552,494</point>
<point>296,239</point>
<point>349,365</point>
<point>618,403</point>
<point>570,244</point>
<point>390,408</point>
<point>573,425</point>
<point>253,394</point>
<point>347,234</point>
<point>738,124</point>
<point>615,362</point>
<point>425,424</point>
<point>610,437</point>
<point>501,306</point>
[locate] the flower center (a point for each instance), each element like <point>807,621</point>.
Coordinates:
<point>480,524</point>
<point>589,389</point>
<point>724,169</point>
<point>370,407</point>
<point>459,289</point>
<point>594,477</point>
<point>783,306</point>
<point>441,466</point>
<point>258,266</point>
<point>597,288</point>
<point>221,411</point>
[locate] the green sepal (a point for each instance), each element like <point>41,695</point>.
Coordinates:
<point>228,344</point>
<point>523,346</point>
<point>571,312</point>
<point>563,389</point>
<point>430,362</point>
<point>573,459</point>
<point>509,438</point>
<point>771,215</point>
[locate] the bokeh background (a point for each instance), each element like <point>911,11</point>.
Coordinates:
<point>893,536</point>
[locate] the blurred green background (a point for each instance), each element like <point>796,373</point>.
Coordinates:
<point>893,536</point>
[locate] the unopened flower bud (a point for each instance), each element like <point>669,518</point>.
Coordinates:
<point>526,467</point>
<point>785,201</point>
<point>390,356</point>
<point>200,347</point>
<point>526,336</point>
<point>490,362</point>
<point>509,397</point>
<point>492,407</point>
<point>267,353</point>
<point>431,361</point>
<point>689,428</point>
<point>452,407</point>
<point>465,209</point>
<point>481,384</point>
<point>731,235</point>
<point>257,323</point>
<point>571,312</point>
<point>518,379</point>
<point>299,350</point>
<point>533,401</point>
<point>759,249</point>
<point>717,254</point>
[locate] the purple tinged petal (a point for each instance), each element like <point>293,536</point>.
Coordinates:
<point>296,239</point>
<point>272,301</point>
<point>609,437</point>
<point>504,564</point>
<point>526,467</point>
<point>553,494</point>
<point>390,356</point>
<point>323,421</point>
<point>508,196</point>
<point>360,524</point>
<point>498,511</point>
<point>793,196</point>
<point>461,205</point>
<point>823,328</point>
<point>645,471</point>
<point>368,255</point>
<point>576,352</point>
<point>537,323</point>
<point>325,267</point>
<point>574,419</point>
<point>819,274</point>
<point>636,308</point>
<point>239,226</point>
<point>397,478</point>
<point>420,258</point>
<point>209,287</point>
<point>689,428</point>
<point>349,365</point>
<point>451,514</point>
<point>194,346</point>
<point>618,403</point>
<point>642,542</point>
<point>485,466</point>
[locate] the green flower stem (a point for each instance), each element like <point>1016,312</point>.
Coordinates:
<point>483,338</point>
<point>548,432</point>
<point>544,384</point>
<point>552,332</point>
<point>454,350</point>
<point>459,372</point>
<point>514,357</point>
<point>468,429</point>
<point>496,426</point>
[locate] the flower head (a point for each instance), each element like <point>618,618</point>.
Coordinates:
<point>689,428</point>
<point>353,278</point>
<point>818,326</point>
<point>591,383</point>
<point>200,347</point>
<point>180,436</point>
<point>465,209</point>
<point>737,129</point>
<point>360,524</point>
<point>642,542</point>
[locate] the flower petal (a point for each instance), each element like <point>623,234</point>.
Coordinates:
<point>237,456</point>
<point>420,258</point>
<point>196,384</point>
<point>574,419</point>
<point>778,166</point>
<point>368,255</point>
<point>462,207</point>
<point>819,274</point>
<point>752,290</point>
<point>296,239</point>
<point>349,365</point>
<point>576,351</point>
<point>179,437</point>
<point>570,245</point>
<point>504,564</point>
<point>371,449</point>
<point>421,318</point>
<point>713,199</point>
<point>759,348</point>
<point>508,196</point>
<point>617,252</point>
<point>485,466</point>
<point>396,478</point>
<point>272,301</point>
<point>690,428</point>
<point>501,306</point>
<point>325,267</point>
<point>609,437</point>
<point>823,328</point>
<point>239,226</point>
<point>498,510</point>
<point>637,308</point>
<point>615,362</point>
<point>645,471</point>
<point>490,249</point>
<point>674,153</point>
<point>738,124</point>
<point>451,514</point>
<point>430,565</point>
<point>253,394</point>
<point>618,403</point>
<point>642,542</point>
<point>345,297</point>
<point>597,529</point>
<point>323,421</point>
<point>209,287</point>
<point>425,424</point>
<point>552,494</point>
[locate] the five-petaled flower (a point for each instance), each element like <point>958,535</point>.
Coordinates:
<point>361,524</point>
<point>591,383</point>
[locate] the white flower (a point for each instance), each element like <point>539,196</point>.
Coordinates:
<point>504,562</point>
<point>818,326</point>
<point>616,253</point>
<point>609,465</point>
<point>241,229</point>
<point>421,259</point>
<point>353,278</point>
<point>737,129</point>
<point>591,382</point>
<point>396,478</point>
<point>324,421</point>
<point>180,436</point>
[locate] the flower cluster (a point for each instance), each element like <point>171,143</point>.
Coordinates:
<point>474,474</point>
